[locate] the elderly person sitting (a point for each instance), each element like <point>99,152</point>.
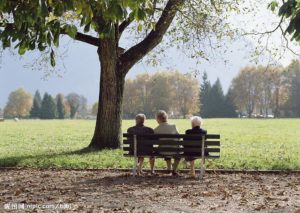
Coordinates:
<point>140,129</point>
<point>165,128</point>
<point>196,122</point>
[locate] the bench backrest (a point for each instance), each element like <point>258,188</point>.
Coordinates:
<point>181,144</point>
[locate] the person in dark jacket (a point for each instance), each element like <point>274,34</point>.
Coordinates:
<point>196,122</point>
<point>140,129</point>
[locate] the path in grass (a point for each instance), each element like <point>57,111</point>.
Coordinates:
<point>104,191</point>
<point>246,144</point>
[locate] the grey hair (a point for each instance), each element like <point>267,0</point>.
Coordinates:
<point>162,116</point>
<point>197,120</point>
<point>140,118</point>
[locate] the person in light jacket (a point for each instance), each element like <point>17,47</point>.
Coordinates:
<point>165,128</point>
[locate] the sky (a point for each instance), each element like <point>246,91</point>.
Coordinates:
<point>79,69</point>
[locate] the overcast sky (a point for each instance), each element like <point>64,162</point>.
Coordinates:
<point>80,70</point>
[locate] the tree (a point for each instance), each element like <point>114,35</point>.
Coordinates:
<point>229,107</point>
<point>288,10</point>
<point>137,96</point>
<point>30,25</point>
<point>205,88</point>
<point>172,91</point>
<point>245,90</point>
<point>74,101</point>
<point>36,107</point>
<point>292,76</point>
<point>83,108</point>
<point>184,93</point>
<point>216,101</point>
<point>67,109</point>
<point>60,106</point>
<point>19,104</point>
<point>48,109</point>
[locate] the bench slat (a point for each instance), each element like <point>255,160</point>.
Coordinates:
<point>182,156</point>
<point>172,142</point>
<point>157,136</point>
<point>171,149</point>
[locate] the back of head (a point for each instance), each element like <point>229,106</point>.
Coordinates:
<point>196,121</point>
<point>162,116</point>
<point>140,119</point>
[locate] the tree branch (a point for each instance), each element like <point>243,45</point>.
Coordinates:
<point>84,38</point>
<point>137,52</point>
<point>79,36</point>
<point>123,26</point>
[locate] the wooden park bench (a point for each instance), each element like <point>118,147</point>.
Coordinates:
<point>181,146</point>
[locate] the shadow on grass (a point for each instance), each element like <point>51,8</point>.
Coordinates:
<point>16,160</point>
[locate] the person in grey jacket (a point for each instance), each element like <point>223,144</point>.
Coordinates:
<point>165,128</point>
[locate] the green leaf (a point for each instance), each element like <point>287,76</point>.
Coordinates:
<point>52,58</point>
<point>22,50</point>
<point>141,15</point>
<point>140,27</point>
<point>71,30</point>
<point>87,27</point>
<point>41,47</point>
<point>273,5</point>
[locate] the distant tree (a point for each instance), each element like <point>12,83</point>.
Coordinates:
<point>48,109</point>
<point>216,101</point>
<point>205,88</point>
<point>260,89</point>
<point>159,92</point>
<point>140,96</point>
<point>95,108</point>
<point>67,109</point>
<point>229,107</point>
<point>184,93</point>
<point>172,91</point>
<point>60,106</point>
<point>37,104</point>
<point>294,95</point>
<point>293,83</point>
<point>1,113</point>
<point>83,107</point>
<point>245,90</point>
<point>19,104</point>
<point>74,101</point>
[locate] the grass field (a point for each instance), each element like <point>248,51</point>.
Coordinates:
<point>246,144</point>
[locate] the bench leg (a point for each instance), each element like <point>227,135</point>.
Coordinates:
<point>202,158</point>
<point>135,155</point>
<point>202,170</point>
<point>134,171</point>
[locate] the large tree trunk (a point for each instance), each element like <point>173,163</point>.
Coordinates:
<point>108,125</point>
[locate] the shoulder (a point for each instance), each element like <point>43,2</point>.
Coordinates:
<point>149,129</point>
<point>130,129</point>
<point>189,131</point>
<point>204,131</point>
<point>174,128</point>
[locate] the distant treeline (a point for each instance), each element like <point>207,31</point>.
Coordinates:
<point>20,104</point>
<point>271,90</point>
<point>179,94</point>
<point>257,91</point>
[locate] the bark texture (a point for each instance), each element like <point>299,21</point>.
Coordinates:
<point>108,125</point>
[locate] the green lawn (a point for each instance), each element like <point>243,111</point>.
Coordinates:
<point>246,144</point>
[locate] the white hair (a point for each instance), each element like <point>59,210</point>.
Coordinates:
<point>198,121</point>
<point>162,116</point>
<point>140,118</point>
